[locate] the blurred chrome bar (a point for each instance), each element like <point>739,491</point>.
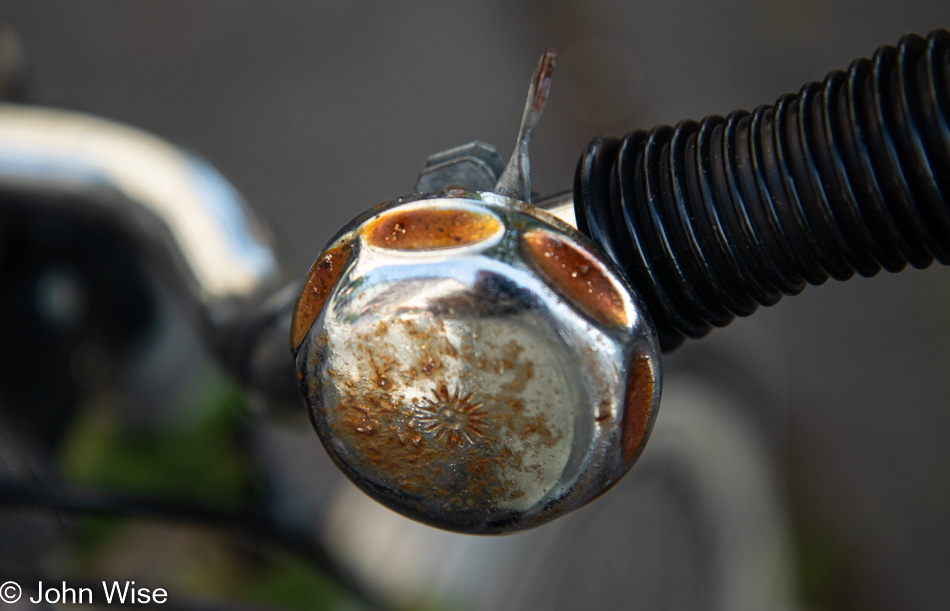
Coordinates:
<point>190,225</point>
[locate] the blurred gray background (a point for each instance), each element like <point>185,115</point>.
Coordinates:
<point>317,111</point>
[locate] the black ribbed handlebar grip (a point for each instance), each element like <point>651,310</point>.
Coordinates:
<point>709,220</point>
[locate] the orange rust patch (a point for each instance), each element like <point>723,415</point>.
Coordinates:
<point>409,447</point>
<point>636,409</point>
<point>576,274</point>
<point>321,279</point>
<point>427,229</point>
<point>452,444</point>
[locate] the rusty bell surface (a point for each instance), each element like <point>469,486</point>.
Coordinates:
<point>471,362</point>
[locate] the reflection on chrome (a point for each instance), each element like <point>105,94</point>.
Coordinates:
<point>184,214</point>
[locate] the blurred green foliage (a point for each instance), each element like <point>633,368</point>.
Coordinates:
<point>195,454</point>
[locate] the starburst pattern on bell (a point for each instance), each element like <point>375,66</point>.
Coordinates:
<point>451,416</point>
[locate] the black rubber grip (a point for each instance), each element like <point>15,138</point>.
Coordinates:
<point>709,220</point>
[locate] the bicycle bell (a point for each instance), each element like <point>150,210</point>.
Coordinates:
<point>473,362</point>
